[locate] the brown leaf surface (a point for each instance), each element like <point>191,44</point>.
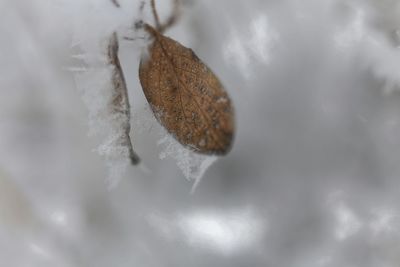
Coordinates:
<point>186,97</point>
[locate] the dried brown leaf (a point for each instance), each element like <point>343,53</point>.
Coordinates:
<point>186,97</point>
<point>120,102</point>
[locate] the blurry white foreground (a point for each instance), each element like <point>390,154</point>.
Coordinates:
<point>314,175</point>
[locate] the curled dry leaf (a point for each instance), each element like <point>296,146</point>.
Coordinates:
<point>120,102</point>
<point>186,96</point>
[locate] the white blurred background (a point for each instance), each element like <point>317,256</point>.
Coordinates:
<point>314,175</point>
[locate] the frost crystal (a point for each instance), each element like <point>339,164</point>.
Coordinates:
<point>96,86</point>
<point>192,165</point>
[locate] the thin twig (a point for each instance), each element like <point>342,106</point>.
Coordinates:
<point>173,18</point>
<point>155,14</point>
<point>142,4</point>
<point>133,38</point>
<point>115,2</point>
